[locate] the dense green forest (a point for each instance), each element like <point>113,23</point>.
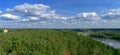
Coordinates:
<point>51,42</point>
<point>108,34</point>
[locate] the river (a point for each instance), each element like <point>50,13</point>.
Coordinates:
<point>110,42</point>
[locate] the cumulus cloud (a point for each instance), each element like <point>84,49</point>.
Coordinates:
<point>35,12</point>
<point>25,20</point>
<point>33,18</point>
<point>91,16</point>
<point>29,9</point>
<point>10,17</point>
<point>112,14</point>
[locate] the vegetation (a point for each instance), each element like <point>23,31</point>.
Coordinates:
<point>108,34</point>
<point>51,42</point>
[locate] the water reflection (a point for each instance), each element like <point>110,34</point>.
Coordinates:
<point>113,43</point>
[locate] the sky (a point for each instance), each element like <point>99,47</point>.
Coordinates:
<point>59,14</point>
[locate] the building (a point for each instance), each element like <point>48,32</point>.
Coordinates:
<point>5,31</point>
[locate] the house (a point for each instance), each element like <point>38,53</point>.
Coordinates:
<point>5,31</point>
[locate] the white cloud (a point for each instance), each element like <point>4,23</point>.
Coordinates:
<point>1,12</point>
<point>10,16</point>
<point>112,14</point>
<point>25,20</point>
<point>40,14</point>
<point>87,14</point>
<point>33,18</point>
<point>29,9</point>
<point>91,16</point>
<point>35,11</point>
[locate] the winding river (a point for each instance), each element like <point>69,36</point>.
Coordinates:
<point>110,42</point>
<point>113,43</point>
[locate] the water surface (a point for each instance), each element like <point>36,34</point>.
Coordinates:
<point>113,43</point>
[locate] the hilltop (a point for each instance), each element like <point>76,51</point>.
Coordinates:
<point>51,42</point>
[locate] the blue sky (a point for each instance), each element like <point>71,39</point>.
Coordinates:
<point>59,14</point>
<point>66,6</point>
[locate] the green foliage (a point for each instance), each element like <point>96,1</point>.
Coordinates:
<point>51,42</point>
<point>108,34</point>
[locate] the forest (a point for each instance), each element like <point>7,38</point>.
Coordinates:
<point>51,42</point>
<point>107,34</point>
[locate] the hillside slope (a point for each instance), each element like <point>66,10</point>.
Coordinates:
<point>51,42</point>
